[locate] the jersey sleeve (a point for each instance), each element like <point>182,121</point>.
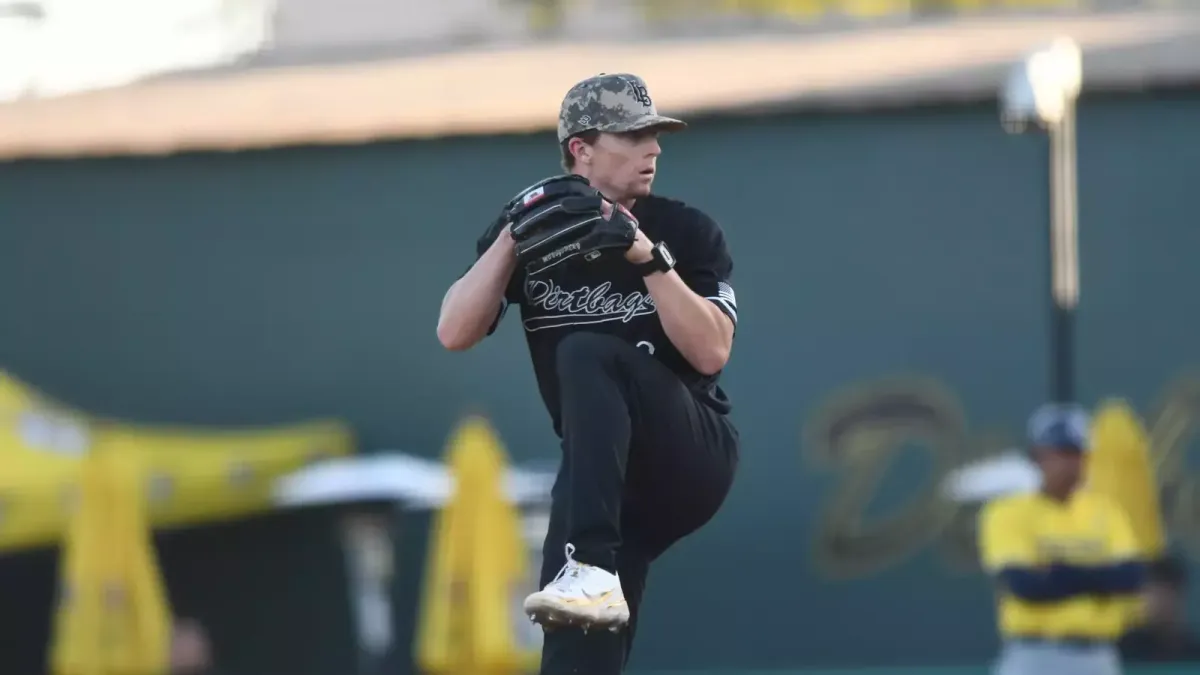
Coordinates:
<point>512,292</point>
<point>1005,539</point>
<point>706,266</point>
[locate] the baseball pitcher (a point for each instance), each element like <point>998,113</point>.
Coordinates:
<point>629,313</point>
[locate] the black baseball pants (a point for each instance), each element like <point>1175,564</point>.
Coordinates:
<point>644,464</point>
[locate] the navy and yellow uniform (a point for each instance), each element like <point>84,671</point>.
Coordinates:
<point>1064,567</point>
<point>1047,555</point>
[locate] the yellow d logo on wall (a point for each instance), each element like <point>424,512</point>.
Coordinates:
<point>859,432</point>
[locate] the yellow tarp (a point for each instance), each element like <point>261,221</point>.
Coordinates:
<point>188,475</point>
<point>477,559</point>
<point>113,616</point>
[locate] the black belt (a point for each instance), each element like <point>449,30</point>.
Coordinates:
<point>1076,642</point>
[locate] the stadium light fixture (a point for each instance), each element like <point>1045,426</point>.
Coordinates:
<point>1040,94</point>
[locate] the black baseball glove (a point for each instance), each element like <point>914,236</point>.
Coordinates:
<point>563,217</point>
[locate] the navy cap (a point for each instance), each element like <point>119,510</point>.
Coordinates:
<point>1059,425</point>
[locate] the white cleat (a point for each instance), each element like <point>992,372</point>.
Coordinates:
<point>581,595</point>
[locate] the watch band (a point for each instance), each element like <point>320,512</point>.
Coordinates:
<point>661,260</point>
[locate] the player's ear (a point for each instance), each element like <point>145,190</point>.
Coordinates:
<point>582,150</point>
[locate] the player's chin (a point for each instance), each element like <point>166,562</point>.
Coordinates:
<point>641,186</point>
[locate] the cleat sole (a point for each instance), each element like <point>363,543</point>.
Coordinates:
<point>547,613</point>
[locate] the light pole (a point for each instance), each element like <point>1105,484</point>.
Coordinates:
<point>1040,95</point>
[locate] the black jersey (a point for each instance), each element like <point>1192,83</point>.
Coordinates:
<point>609,296</point>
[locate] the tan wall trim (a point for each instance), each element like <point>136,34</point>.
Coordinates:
<point>519,90</point>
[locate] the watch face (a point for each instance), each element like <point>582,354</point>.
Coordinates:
<point>666,255</point>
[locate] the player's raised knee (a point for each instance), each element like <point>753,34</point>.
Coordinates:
<point>586,349</point>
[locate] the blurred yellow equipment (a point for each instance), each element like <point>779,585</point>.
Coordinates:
<point>191,475</point>
<point>476,559</point>
<point>201,475</point>
<point>1120,466</point>
<point>39,463</point>
<point>113,616</point>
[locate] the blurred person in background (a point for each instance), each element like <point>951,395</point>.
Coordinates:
<point>1164,635</point>
<point>627,351</point>
<point>1059,556</point>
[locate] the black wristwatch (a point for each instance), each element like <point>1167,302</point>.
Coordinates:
<point>660,260</point>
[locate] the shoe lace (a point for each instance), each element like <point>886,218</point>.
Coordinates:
<point>570,572</point>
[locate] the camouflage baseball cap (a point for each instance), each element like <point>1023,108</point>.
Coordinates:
<point>612,103</point>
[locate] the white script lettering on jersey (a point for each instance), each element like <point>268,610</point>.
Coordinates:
<point>557,306</point>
